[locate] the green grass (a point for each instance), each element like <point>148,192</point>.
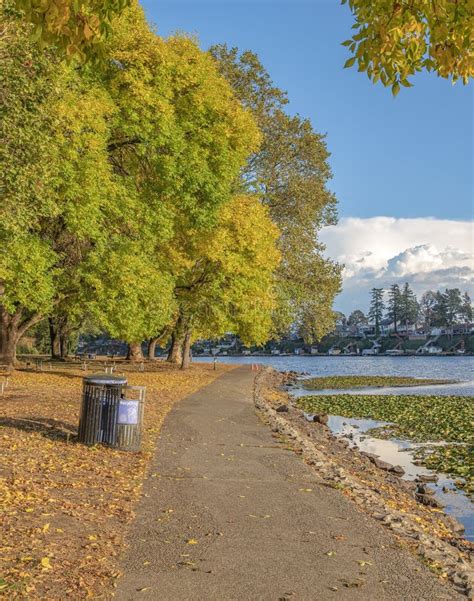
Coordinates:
<point>448,419</point>
<point>345,382</point>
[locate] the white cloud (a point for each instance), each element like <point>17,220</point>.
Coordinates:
<point>379,251</point>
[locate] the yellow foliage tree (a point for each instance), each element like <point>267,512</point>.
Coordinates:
<point>394,39</point>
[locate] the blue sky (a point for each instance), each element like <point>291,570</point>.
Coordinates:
<point>403,167</point>
<point>406,157</point>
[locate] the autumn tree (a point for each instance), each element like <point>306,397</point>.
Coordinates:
<point>76,27</point>
<point>393,40</point>
<point>376,309</point>
<point>179,139</point>
<point>58,192</point>
<point>229,284</point>
<point>290,173</point>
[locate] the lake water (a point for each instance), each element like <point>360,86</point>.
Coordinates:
<point>443,368</point>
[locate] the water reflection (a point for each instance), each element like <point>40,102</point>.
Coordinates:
<point>399,452</point>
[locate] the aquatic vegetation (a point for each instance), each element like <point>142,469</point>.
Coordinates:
<point>431,418</point>
<point>345,382</point>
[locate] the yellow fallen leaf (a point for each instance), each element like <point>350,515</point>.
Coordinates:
<point>192,541</point>
<point>92,537</point>
<point>46,563</point>
<point>45,528</point>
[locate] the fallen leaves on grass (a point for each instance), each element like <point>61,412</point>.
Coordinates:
<point>66,506</point>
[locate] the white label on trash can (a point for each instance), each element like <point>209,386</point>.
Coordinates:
<point>128,412</point>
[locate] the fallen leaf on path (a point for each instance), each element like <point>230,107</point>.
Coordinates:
<point>192,541</point>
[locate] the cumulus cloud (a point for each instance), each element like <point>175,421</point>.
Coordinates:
<point>379,251</point>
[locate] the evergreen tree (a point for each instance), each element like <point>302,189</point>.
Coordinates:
<point>394,305</point>
<point>408,306</point>
<point>453,306</point>
<point>377,307</point>
<point>466,307</point>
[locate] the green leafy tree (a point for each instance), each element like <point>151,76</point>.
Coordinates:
<point>59,193</point>
<point>393,40</point>
<point>394,305</point>
<point>428,304</point>
<point>290,173</point>
<point>376,309</point>
<point>357,318</point>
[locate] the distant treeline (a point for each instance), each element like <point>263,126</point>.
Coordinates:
<point>400,307</point>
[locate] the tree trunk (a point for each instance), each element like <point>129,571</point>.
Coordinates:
<point>64,343</point>
<point>8,342</point>
<point>54,339</point>
<point>135,352</point>
<point>175,354</point>
<point>186,350</point>
<point>12,329</point>
<point>152,347</point>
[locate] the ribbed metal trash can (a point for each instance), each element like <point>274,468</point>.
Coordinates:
<point>108,417</point>
<point>100,408</point>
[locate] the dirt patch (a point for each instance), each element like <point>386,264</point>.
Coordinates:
<point>66,506</point>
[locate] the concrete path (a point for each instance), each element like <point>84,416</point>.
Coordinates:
<point>229,514</point>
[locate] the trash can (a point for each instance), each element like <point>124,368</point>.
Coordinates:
<point>130,418</point>
<point>108,417</point>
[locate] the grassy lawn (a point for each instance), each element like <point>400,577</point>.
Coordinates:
<point>347,382</point>
<point>419,418</point>
<point>65,506</point>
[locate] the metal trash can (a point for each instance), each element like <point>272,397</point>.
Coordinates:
<point>109,418</point>
<point>130,419</point>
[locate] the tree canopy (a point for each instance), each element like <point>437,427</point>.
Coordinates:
<point>76,27</point>
<point>393,40</point>
<point>159,191</point>
<point>290,173</point>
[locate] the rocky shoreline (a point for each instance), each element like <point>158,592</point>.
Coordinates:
<point>406,508</point>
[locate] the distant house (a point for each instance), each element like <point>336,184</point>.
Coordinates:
<point>433,350</point>
<point>374,350</point>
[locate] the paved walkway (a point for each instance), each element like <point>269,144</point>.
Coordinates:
<point>229,514</point>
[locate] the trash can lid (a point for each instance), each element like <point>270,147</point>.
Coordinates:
<point>106,380</point>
